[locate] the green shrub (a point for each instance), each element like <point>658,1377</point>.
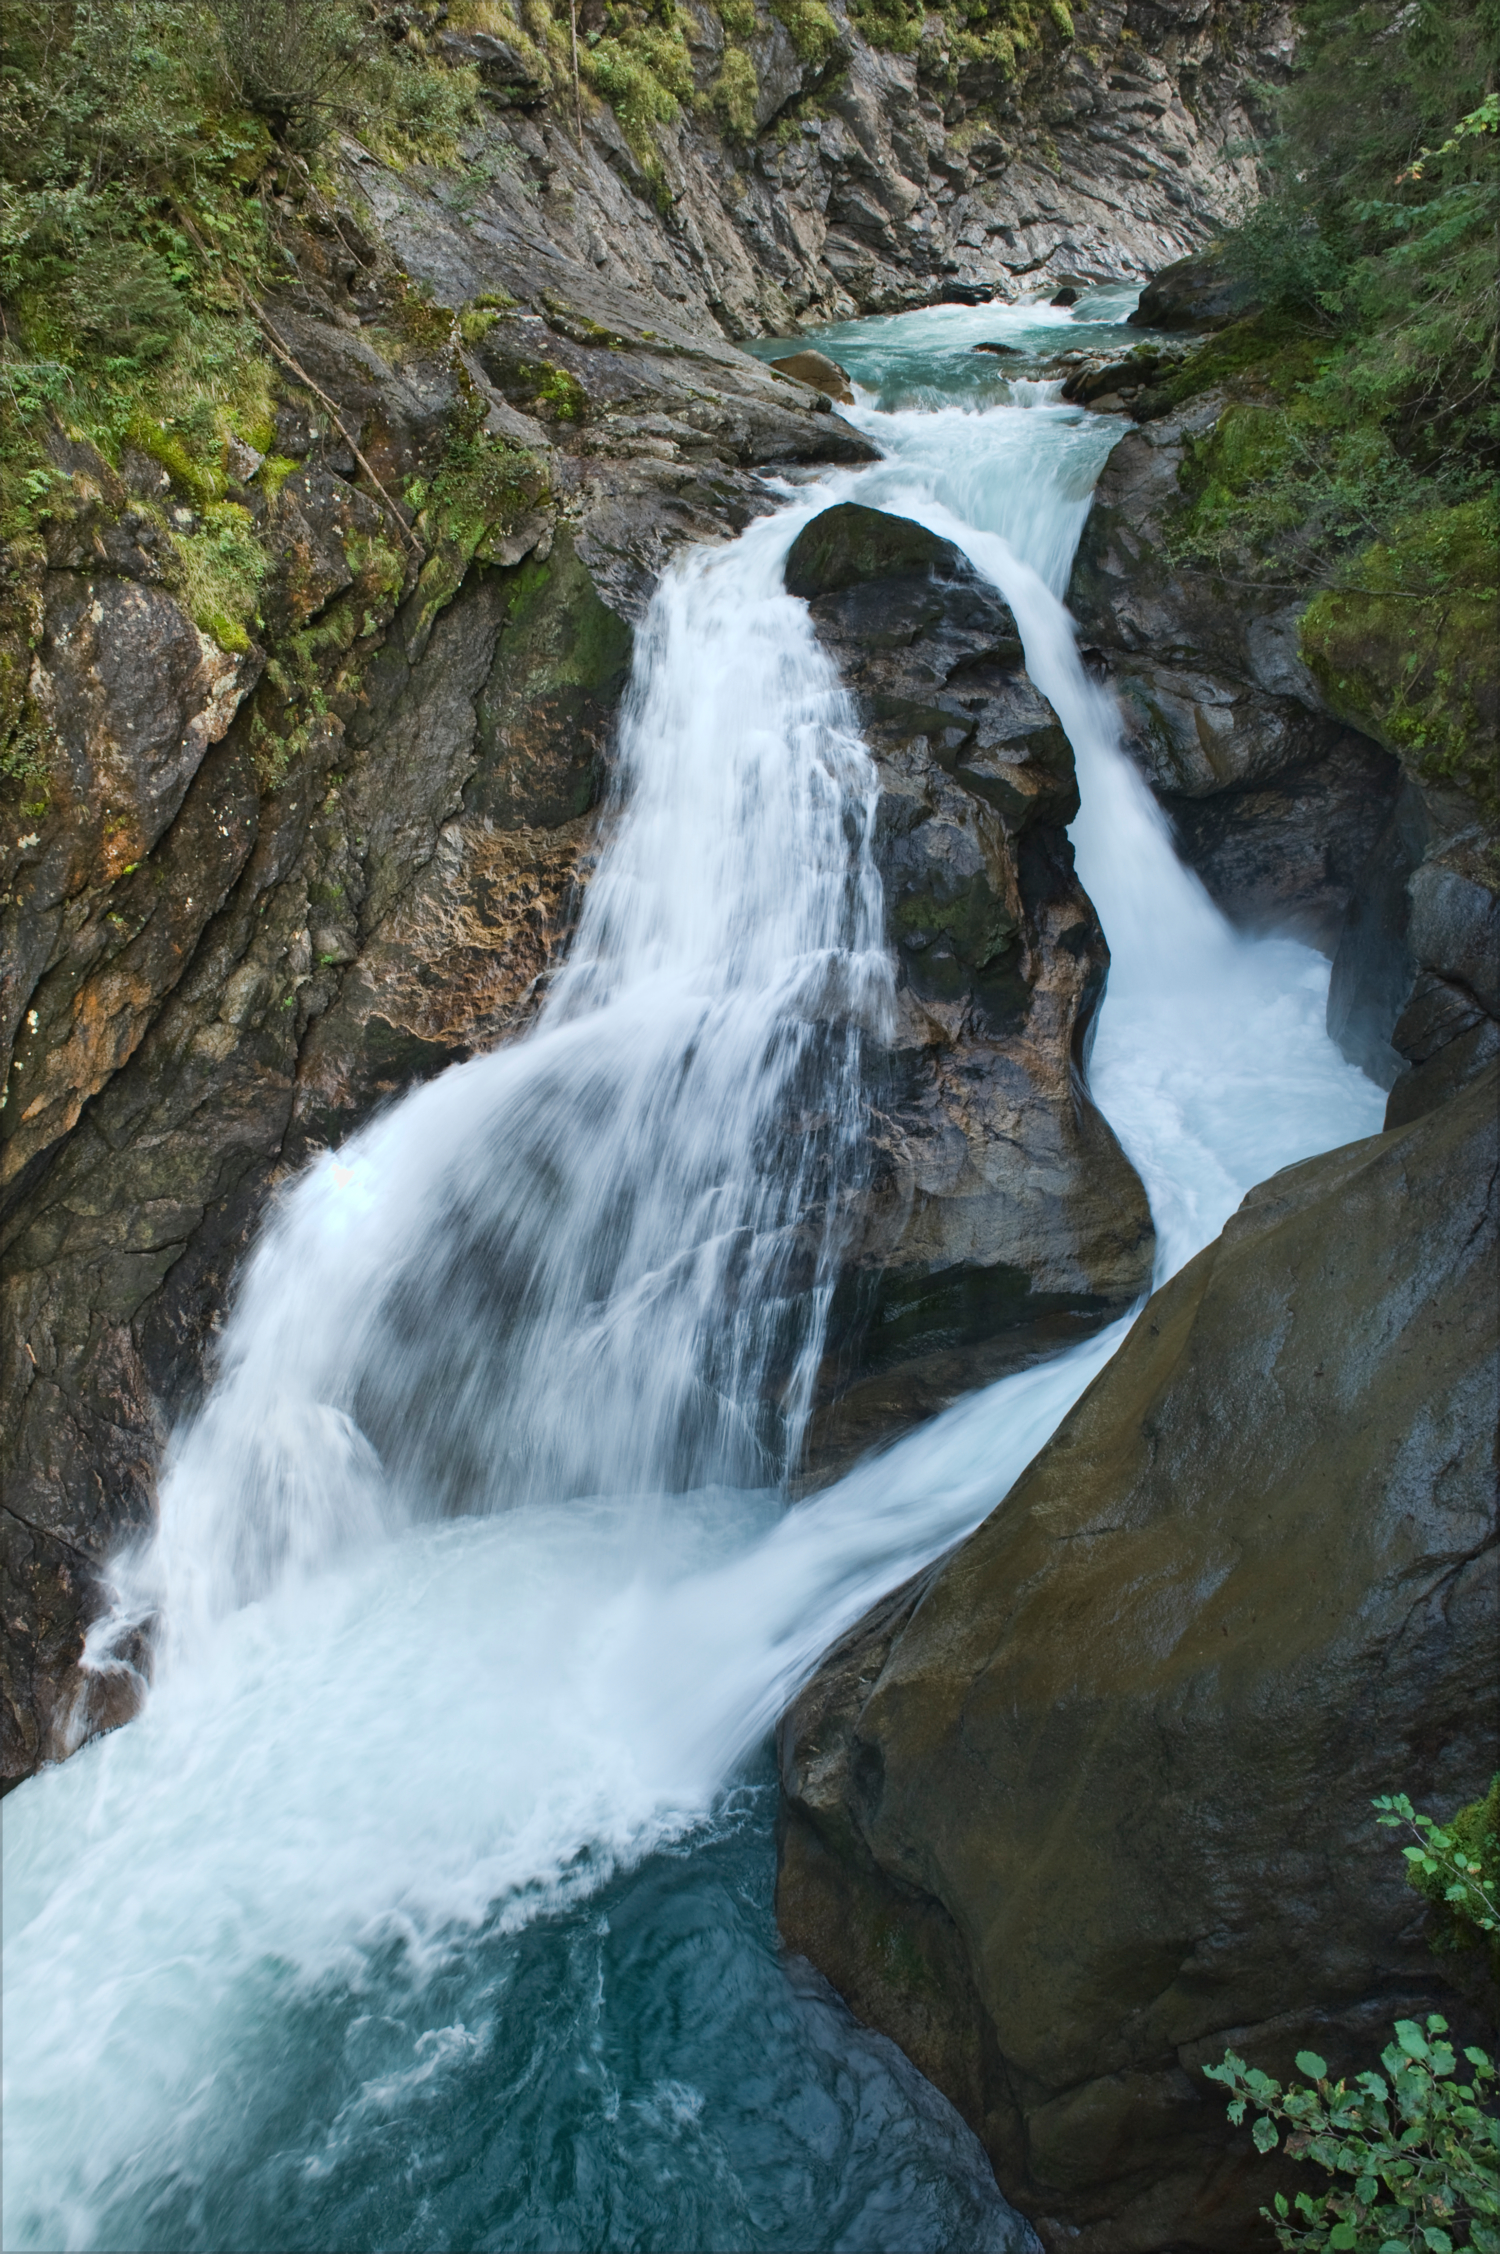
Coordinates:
<point>735,92</point>
<point>811,28</point>
<point>1414,2154</point>
<point>1404,648</point>
<point>1455,1866</point>
<point>291,61</point>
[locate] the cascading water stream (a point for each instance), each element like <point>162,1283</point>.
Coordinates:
<point>426,1903</point>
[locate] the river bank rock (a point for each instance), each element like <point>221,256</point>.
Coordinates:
<point>1090,1801</point>
<point>1003,1218</point>
<point>1295,821</point>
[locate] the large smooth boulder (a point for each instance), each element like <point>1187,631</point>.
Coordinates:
<point>817,369</point>
<point>1198,292</point>
<point>1002,1219</point>
<point>1091,1800</point>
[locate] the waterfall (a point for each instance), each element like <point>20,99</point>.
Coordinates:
<point>597,1261</point>
<point>426,1901</point>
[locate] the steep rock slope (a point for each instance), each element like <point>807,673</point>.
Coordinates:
<point>1092,1799</point>
<point>266,890</point>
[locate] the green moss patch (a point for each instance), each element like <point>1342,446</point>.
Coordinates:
<point>1409,651</point>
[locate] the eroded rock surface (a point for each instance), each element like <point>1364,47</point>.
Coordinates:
<point>1003,1219</point>
<point>1091,1800</point>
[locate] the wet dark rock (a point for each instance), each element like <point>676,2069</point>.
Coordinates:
<point>1287,852</point>
<point>1003,351</point>
<point>1414,998</point>
<point>1197,292</point>
<point>1295,821</point>
<point>1274,802</point>
<point>1066,297</point>
<point>1090,1801</point>
<point>1003,1218</point>
<point>1091,376</point>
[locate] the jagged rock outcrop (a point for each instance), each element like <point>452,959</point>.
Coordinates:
<point>1091,1800</point>
<point>871,179</point>
<point>1295,821</point>
<point>1003,1219</point>
<point>1275,803</point>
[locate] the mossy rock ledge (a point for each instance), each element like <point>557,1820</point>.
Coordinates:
<point>1091,1800</point>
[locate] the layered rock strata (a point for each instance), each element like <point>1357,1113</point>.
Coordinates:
<point>1111,143</point>
<point>1091,1800</point>
<point>1003,1219</point>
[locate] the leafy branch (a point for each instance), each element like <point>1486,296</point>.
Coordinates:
<point>1417,2148</point>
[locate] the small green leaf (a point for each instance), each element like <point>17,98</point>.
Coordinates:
<point>1409,2035</point>
<point>1264,2134</point>
<point>1308,2062</point>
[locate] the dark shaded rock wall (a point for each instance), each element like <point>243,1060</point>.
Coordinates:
<point>1091,1800</point>
<point>1294,821</point>
<point>1003,1219</point>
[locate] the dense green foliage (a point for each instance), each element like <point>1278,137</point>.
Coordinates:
<point>1360,455</point>
<point>1414,2153</point>
<point>140,148</point>
<point>1455,1867</point>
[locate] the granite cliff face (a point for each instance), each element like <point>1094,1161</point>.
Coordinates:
<point>1091,1800</point>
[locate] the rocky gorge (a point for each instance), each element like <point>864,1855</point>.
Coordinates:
<point>1088,1799</point>
<point>253,891</point>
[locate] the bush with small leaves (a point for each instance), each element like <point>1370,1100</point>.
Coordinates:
<point>1457,1867</point>
<point>1414,2153</point>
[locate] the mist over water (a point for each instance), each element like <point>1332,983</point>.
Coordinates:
<point>427,1903</point>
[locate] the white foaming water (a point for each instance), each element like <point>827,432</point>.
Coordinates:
<point>560,1278</point>
<point>574,1266</point>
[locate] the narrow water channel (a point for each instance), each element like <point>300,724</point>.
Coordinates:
<point>428,1902</point>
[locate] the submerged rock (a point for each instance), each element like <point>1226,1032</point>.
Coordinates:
<point>1003,1219</point>
<point>1091,1800</point>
